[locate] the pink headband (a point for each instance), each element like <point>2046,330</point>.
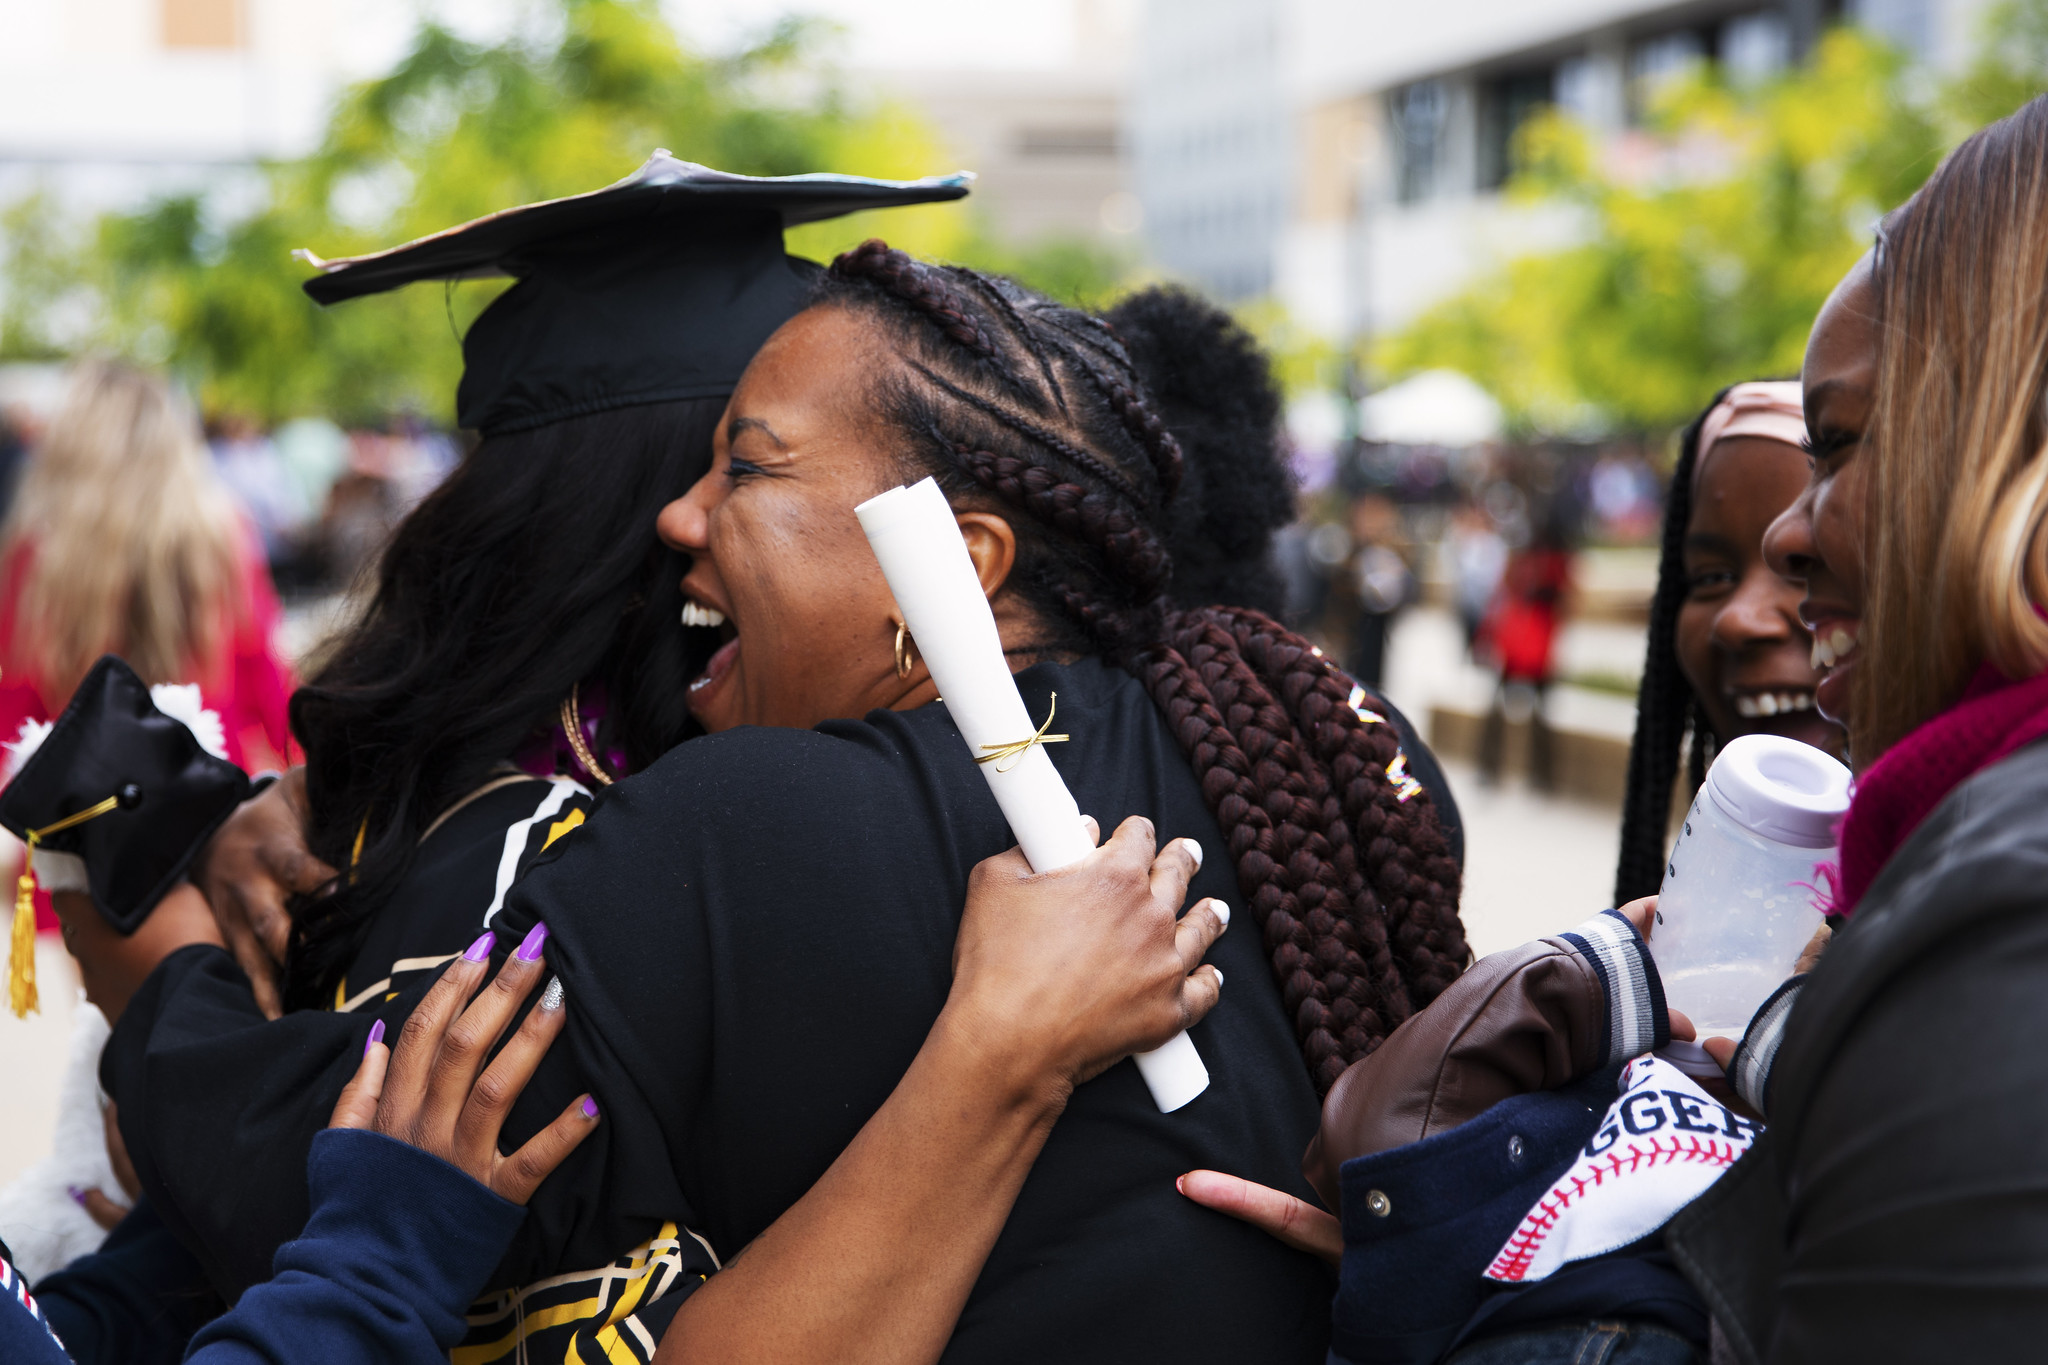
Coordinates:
<point>1772,409</point>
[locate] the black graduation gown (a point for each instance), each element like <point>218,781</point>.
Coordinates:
<point>755,937</point>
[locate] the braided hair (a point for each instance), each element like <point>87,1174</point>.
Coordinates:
<point>1015,403</point>
<point>1669,717</point>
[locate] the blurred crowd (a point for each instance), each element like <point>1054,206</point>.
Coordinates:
<point>320,498</point>
<point>1489,533</point>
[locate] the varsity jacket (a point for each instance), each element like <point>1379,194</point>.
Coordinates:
<point>1897,1209</point>
<point>1531,1018</point>
<point>1454,1150</point>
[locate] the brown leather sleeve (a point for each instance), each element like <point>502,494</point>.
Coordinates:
<point>1529,1019</point>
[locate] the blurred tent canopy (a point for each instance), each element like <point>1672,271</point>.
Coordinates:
<point>1712,237</point>
<point>459,129</point>
<point>1433,408</point>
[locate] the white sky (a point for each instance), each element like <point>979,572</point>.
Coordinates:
<point>878,33</point>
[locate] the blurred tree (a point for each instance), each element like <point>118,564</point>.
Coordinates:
<point>41,269</point>
<point>1075,270</point>
<point>2011,66</point>
<point>456,130</point>
<point>1710,241</point>
<point>1304,361</point>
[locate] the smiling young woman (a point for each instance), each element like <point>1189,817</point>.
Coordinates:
<point>1726,652</point>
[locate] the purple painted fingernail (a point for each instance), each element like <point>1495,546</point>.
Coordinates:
<point>589,1106</point>
<point>480,950</point>
<point>529,947</point>
<point>376,1036</point>
<point>78,1195</point>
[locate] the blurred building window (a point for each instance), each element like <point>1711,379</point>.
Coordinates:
<point>202,23</point>
<point>1419,112</point>
<point>1655,62</point>
<point>1909,23</point>
<point>1505,101</point>
<point>1576,86</point>
<point>1057,142</point>
<point>1754,46</point>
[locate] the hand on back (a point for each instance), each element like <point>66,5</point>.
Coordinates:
<point>434,1091</point>
<point>249,871</point>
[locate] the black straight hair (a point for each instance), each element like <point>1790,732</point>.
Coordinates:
<point>1667,710</point>
<point>532,569</point>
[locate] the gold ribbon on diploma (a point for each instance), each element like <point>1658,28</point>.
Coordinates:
<point>1008,756</point>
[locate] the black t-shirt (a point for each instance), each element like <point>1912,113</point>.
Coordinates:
<point>756,935</point>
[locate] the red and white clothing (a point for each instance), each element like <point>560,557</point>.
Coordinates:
<point>247,683</point>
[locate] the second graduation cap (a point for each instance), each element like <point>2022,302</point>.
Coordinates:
<point>660,287</point>
<point>115,800</point>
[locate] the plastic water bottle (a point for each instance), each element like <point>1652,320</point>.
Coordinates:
<point>1740,890</point>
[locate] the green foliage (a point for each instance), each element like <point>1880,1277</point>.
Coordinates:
<point>2011,66</point>
<point>1075,270</point>
<point>455,131</point>
<point>1304,361</point>
<point>1709,242</point>
<point>40,273</point>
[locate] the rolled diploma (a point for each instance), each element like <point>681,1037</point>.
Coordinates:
<point>923,556</point>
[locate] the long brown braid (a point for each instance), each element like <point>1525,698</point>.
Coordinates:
<point>1006,396</point>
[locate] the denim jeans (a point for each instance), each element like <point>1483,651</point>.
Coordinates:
<point>1582,1343</point>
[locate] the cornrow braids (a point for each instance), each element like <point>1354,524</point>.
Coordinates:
<point>1006,397</point>
<point>1666,709</point>
<point>874,260</point>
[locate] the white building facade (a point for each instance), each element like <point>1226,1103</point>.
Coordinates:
<point>1382,128</point>
<point>1211,132</point>
<point>106,101</point>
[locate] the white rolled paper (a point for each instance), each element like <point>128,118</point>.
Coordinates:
<point>923,556</point>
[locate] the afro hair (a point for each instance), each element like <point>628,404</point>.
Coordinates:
<point>1213,387</point>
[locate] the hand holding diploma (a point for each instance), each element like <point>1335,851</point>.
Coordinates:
<point>918,542</point>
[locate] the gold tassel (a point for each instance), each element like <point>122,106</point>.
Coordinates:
<point>21,953</point>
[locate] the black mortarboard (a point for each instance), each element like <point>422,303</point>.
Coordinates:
<point>659,287</point>
<point>156,792</point>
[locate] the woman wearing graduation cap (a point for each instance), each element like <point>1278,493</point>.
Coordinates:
<point>528,641</point>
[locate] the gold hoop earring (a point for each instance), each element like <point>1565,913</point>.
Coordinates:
<point>906,650</point>
<point>572,726</point>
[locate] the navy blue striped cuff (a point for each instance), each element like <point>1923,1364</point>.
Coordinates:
<point>1750,1070</point>
<point>1637,1021</point>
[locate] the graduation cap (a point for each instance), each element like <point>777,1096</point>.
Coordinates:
<point>114,800</point>
<point>657,288</point>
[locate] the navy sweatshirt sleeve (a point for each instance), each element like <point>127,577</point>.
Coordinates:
<point>399,1244</point>
<point>25,1334</point>
<point>135,1301</point>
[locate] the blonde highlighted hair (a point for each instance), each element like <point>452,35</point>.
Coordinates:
<point>1956,524</point>
<point>132,537</point>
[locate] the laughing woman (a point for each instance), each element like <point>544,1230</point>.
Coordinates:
<point>1897,1208</point>
<point>764,1019</point>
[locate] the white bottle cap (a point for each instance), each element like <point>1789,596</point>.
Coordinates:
<point>1780,789</point>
